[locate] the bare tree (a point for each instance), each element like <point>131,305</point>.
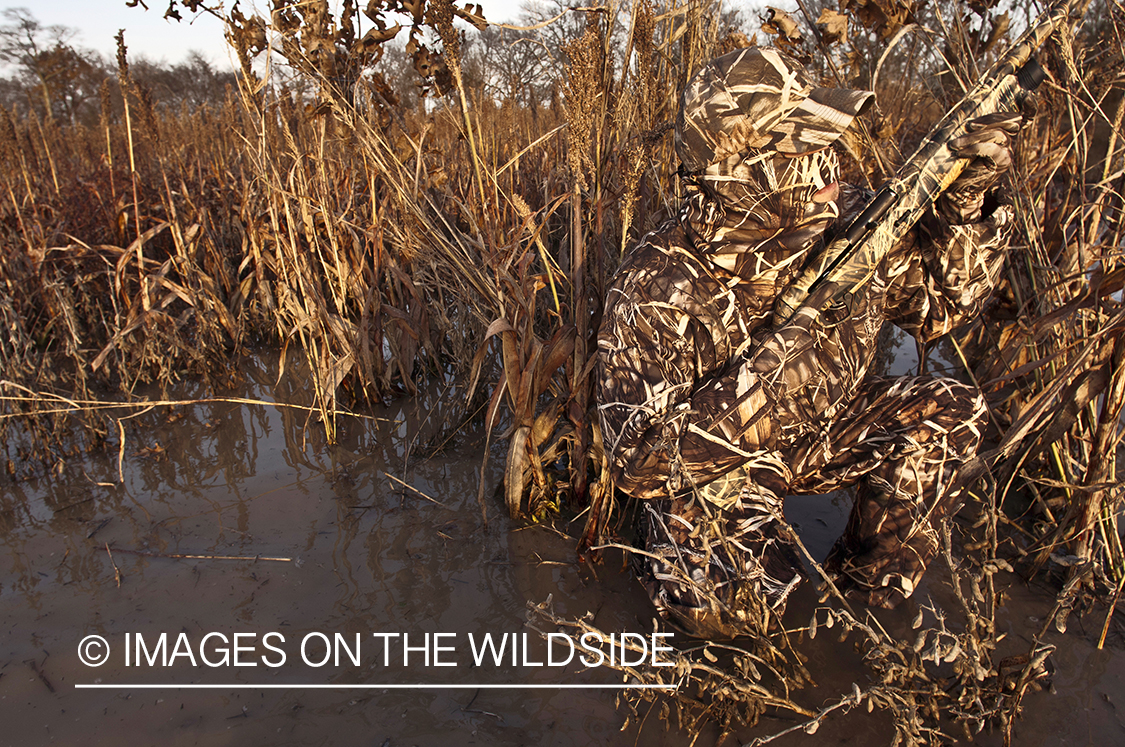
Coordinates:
<point>398,70</point>
<point>514,66</point>
<point>193,83</point>
<point>45,61</point>
<point>25,42</point>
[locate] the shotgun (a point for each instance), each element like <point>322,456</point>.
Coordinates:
<point>852,258</point>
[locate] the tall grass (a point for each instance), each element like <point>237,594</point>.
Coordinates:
<point>475,237</point>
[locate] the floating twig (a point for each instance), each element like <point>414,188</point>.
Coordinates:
<point>98,528</point>
<point>1109,613</point>
<point>39,673</point>
<point>184,556</point>
<point>121,453</point>
<point>416,490</point>
<point>116,570</point>
<point>73,504</point>
<point>76,405</point>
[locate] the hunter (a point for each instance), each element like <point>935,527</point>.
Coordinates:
<point>710,416</point>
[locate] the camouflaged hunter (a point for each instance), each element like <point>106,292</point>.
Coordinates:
<point>711,416</point>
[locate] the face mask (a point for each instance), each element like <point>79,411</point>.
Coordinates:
<point>774,189</point>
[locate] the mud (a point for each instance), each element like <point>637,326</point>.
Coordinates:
<point>368,556</point>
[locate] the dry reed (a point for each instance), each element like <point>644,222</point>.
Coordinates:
<point>470,237</point>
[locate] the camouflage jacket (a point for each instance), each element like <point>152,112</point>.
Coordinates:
<point>692,380</point>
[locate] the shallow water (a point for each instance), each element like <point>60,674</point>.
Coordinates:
<point>364,557</point>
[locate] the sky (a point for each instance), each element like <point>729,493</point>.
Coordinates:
<point>147,34</point>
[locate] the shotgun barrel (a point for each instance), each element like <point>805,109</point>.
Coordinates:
<point>852,258</point>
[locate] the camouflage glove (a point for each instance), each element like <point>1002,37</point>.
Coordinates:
<point>987,145</point>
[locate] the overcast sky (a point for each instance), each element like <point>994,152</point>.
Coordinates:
<point>148,34</point>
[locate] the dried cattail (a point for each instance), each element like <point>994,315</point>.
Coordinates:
<point>644,29</point>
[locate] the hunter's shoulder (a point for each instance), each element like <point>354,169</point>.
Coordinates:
<point>663,248</point>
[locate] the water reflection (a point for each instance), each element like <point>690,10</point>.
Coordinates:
<point>236,480</point>
<point>230,479</point>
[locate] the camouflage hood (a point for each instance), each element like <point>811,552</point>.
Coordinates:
<point>753,134</point>
<point>758,99</point>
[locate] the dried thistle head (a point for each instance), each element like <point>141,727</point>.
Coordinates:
<point>346,34</point>
<point>248,36</point>
<point>429,66</point>
<point>318,38</point>
<point>368,50</point>
<point>735,39</point>
<point>885,17</point>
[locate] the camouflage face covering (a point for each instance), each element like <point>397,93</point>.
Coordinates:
<point>758,99</point>
<point>773,190</point>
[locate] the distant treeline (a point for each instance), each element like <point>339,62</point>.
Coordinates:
<point>46,72</point>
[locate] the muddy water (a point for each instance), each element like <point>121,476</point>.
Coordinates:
<point>343,550</point>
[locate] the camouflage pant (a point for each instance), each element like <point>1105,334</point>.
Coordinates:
<point>720,560</point>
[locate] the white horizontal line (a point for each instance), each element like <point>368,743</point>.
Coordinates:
<point>300,686</point>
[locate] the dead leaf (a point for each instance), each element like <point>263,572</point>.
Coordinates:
<point>882,16</point>
<point>374,37</point>
<point>781,23</point>
<point>156,451</point>
<point>834,26</point>
<point>516,475</point>
<point>474,14</point>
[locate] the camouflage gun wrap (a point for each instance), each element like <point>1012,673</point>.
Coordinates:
<point>851,260</point>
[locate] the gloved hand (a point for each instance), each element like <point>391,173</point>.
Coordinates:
<point>986,143</point>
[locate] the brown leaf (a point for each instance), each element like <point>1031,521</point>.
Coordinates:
<point>781,23</point>
<point>374,37</point>
<point>512,363</point>
<point>545,424</point>
<point>496,327</point>
<point>524,397</point>
<point>558,350</point>
<point>156,451</point>
<point>834,26</point>
<point>333,370</point>
<point>882,16</point>
<point>515,472</point>
<point>474,14</point>
<point>494,403</point>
